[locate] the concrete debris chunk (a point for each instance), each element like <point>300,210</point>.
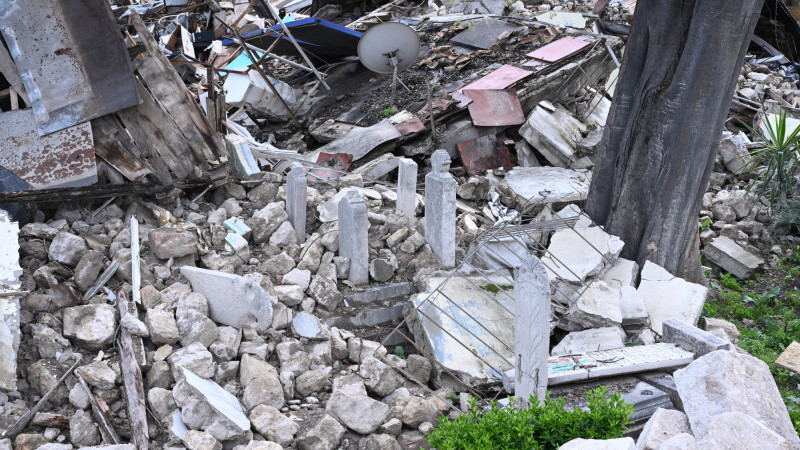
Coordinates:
<point>691,338</point>
<point>547,185</point>
<point>92,326</point>
<point>667,296</point>
<point>554,134</point>
<point>598,306</point>
<point>207,406</point>
<point>575,254</point>
<point>681,441</point>
<point>169,243</point>
<point>232,300</point>
<point>358,413</point>
<point>595,339</point>
<point>724,381</point>
<point>662,425</point>
<point>273,425</point>
<point>731,257</point>
<point>325,435</point>
<point>790,358</point>
<point>735,429</point>
<point>67,248</point>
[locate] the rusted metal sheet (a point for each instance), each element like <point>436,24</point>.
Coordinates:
<point>560,49</point>
<point>61,159</point>
<point>484,153</point>
<point>71,59</point>
<point>338,163</point>
<point>495,107</point>
<point>407,123</point>
<point>501,78</point>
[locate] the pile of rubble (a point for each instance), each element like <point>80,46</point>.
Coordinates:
<point>259,310</point>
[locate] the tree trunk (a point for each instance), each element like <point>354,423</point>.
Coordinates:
<point>676,82</point>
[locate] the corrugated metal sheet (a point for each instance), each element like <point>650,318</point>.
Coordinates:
<point>71,59</point>
<point>61,159</point>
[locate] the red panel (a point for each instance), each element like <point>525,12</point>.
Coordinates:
<point>338,161</point>
<point>499,79</point>
<point>482,154</point>
<point>491,108</point>
<point>560,49</point>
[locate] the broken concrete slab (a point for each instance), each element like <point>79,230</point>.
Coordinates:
<point>621,273</point>
<point>598,306</point>
<point>440,324</point>
<point>691,338</point>
<point>484,33</point>
<point>553,134</point>
<point>547,185</point>
<point>10,272</point>
<point>725,381</point>
<point>667,296</point>
<point>575,254</point>
<point>790,358</point>
<point>621,361</point>
<point>379,293</point>
<point>232,300</point>
<point>359,141</point>
<point>591,340</point>
<point>730,256</point>
<point>631,304</point>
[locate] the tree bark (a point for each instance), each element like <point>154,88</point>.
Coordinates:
<point>676,82</point>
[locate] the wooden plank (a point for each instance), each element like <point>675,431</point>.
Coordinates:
<point>156,133</point>
<point>132,380</point>
<point>167,86</point>
<point>116,148</point>
<point>107,430</point>
<point>607,363</point>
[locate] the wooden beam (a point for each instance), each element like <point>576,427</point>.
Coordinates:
<point>132,380</point>
<point>107,430</point>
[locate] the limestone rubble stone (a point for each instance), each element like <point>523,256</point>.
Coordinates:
<point>734,429</point>
<point>662,425</point>
<point>725,381</point>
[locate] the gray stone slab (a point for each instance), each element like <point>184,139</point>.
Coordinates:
<point>547,184</point>
<point>731,257</point>
<point>553,134</point>
<point>484,33</point>
<point>406,187</point>
<point>232,300</point>
<point>691,338</point>
<point>667,296</point>
<point>378,293</point>
<point>368,318</point>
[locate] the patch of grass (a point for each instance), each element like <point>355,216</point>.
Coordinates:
<point>538,427</point>
<point>388,112</point>
<point>494,289</point>
<point>766,309</point>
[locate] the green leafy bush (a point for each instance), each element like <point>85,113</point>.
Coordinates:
<point>538,427</point>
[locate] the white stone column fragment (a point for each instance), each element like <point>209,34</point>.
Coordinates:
<point>296,196</point>
<point>353,235</point>
<point>440,209</point>
<point>406,187</point>
<point>531,330</point>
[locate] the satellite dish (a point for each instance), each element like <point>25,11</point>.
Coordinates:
<point>389,47</point>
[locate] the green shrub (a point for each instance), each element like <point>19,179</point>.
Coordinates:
<point>729,282</point>
<point>538,427</point>
<point>388,112</point>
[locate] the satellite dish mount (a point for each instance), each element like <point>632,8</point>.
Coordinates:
<point>389,48</point>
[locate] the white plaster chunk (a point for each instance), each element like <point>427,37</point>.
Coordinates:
<point>667,296</point>
<point>578,342</point>
<point>575,254</point>
<point>548,184</point>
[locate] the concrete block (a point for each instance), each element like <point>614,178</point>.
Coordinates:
<point>232,300</point>
<point>691,338</point>
<point>667,296</point>
<point>731,257</point>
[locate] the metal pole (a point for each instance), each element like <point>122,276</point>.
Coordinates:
<point>277,17</point>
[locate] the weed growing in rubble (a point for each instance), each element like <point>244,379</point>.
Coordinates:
<point>766,310</point>
<point>775,161</point>
<point>538,427</point>
<point>388,112</point>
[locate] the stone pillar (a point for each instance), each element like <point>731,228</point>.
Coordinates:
<point>10,272</point>
<point>406,187</point>
<point>440,209</point>
<point>353,235</point>
<point>296,195</point>
<point>531,330</point>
